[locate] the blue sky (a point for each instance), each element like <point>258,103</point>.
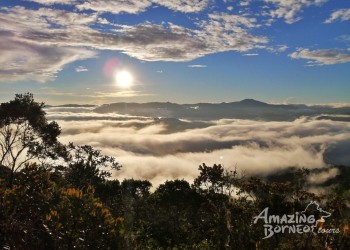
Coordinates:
<point>279,51</point>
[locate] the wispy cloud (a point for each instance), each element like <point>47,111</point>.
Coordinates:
<point>116,7</point>
<point>81,69</point>
<point>39,48</point>
<point>339,15</point>
<point>244,3</point>
<point>25,60</point>
<point>289,10</point>
<point>137,6</point>
<point>197,66</point>
<point>50,2</point>
<point>87,94</point>
<point>251,54</point>
<point>184,5</point>
<point>319,178</point>
<point>129,93</point>
<point>321,57</point>
<point>344,38</point>
<point>277,49</point>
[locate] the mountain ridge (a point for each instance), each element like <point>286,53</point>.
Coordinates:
<point>244,109</point>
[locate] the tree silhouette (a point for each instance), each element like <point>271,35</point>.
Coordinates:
<point>25,133</point>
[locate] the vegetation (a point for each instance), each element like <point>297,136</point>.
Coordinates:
<point>55,196</point>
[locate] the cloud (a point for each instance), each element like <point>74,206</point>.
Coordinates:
<point>321,57</point>
<point>125,93</point>
<point>43,41</point>
<point>50,2</point>
<point>22,60</point>
<point>137,6</point>
<point>184,5</point>
<point>161,149</point>
<point>277,49</point>
<point>251,54</point>
<point>319,178</point>
<point>244,3</point>
<point>31,50</point>
<point>233,22</point>
<point>344,38</point>
<point>151,42</point>
<point>97,94</point>
<point>289,10</point>
<point>339,15</point>
<point>81,69</point>
<point>116,7</point>
<point>197,66</point>
<point>176,43</point>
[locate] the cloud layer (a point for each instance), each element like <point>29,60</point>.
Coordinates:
<point>41,42</point>
<point>161,149</point>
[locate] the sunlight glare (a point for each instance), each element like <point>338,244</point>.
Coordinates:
<point>124,79</point>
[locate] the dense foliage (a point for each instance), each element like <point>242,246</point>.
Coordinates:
<point>55,196</point>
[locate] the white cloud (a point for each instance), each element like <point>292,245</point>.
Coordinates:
<point>22,60</point>
<point>277,49</point>
<point>157,150</point>
<point>32,49</point>
<point>197,66</point>
<point>244,3</point>
<point>126,93</point>
<point>322,56</point>
<point>251,54</point>
<point>184,5</point>
<point>176,43</point>
<point>100,95</point>
<point>31,37</point>
<point>339,15</point>
<point>232,22</point>
<point>50,2</point>
<point>116,7</point>
<point>319,178</point>
<point>289,10</point>
<point>137,6</point>
<point>81,69</point>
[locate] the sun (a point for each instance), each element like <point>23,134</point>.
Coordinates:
<point>124,79</point>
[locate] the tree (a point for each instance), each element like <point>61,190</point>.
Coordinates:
<point>78,220</point>
<point>25,133</point>
<point>175,220</point>
<point>87,166</point>
<point>23,207</point>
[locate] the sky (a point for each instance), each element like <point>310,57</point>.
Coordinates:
<point>277,51</point>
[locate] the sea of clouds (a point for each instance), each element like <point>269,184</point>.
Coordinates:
<point>159,149</point>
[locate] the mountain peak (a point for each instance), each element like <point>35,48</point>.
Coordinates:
<point>252,102</point>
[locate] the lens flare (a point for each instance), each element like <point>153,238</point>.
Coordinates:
<point>124,79</point>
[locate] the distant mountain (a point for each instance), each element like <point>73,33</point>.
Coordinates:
<point>245,109</point>
<point>251,103</point>
<point>71,106</point>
